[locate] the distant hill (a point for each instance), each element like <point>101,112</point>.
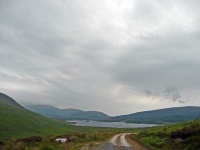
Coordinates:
<point>161,116</point>
<point>16,121</point>
<point>67,114</point>
<point>90,115</point>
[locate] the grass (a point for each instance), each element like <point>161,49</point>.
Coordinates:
<point>178,136</point>
<point>75,142</point>
<point>17,122</point>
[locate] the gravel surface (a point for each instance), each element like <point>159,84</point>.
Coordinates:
<point>114,145</point>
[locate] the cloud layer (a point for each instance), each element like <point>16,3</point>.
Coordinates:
<point>114,56</point>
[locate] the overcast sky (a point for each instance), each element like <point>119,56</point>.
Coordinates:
<point>114,56</point>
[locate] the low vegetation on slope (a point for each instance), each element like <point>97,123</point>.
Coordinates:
<point>185,136</point>
<point>6,98</point>
<point>74,142</point>
<point>18,122</point>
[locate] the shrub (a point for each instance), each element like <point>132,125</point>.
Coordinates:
<point>31,139</point>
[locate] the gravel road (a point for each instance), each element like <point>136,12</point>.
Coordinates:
<point>118,142</point>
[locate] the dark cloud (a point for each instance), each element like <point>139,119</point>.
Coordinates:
<point>176,95</point>
<point>173,92</point>
<point>148,93</point>
<point>182,101</point>
<point>170,90</point>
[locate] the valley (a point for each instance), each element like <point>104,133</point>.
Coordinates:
<point>157,117</point>
<point>24,129</point>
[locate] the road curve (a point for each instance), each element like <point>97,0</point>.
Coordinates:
<point>118,142</point>
<point>123,141</point>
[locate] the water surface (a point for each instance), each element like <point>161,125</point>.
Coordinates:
<point>109,124</point>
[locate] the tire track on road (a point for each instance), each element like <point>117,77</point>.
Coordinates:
<point>118,142</point>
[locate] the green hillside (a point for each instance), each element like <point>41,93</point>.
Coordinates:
<point>185,136</point>
<point>7,98</point>
<point>19,122</point>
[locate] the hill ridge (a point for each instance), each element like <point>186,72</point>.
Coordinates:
<point>16,122</point>
<point>68,113</point>
<point>159,116</point>
<point>9,99</point>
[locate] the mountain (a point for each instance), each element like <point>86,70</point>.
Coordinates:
<point>161,116</point>
<point>16,121</point>
<point>54,112</point>
<point>90,115</point>
<point>67,114</point>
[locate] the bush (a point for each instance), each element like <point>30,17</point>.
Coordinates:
<point>31,139</point>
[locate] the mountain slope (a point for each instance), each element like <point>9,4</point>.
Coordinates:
<point>168,115</point>
<point>174,137</point>
<point>67,114</point>
<point>16,121</point>
<point>7,98</point>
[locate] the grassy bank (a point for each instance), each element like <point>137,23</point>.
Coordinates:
<point>180,136</point>
<point>74,142</point>
<point>85,137</point>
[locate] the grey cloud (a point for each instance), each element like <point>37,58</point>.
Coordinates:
<point>182,101</point>
<point>176,95</point>
<point>173,92</point>
<point>146,12</point>
<point>158,64</point>
<point>95,54</point>
<point>170,90</point>
<point>148,93</point>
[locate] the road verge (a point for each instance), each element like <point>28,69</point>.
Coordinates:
<point>136,144</point>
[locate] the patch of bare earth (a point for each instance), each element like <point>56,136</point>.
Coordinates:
<point>90,145</point>
<point>118,140</point>
<point>86,147</point>
<point>135,144</point>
